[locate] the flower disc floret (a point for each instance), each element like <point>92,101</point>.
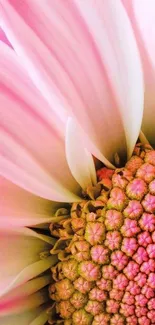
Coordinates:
<point>136,189</point>
<point>146,172</point>
<point>69,269</point>
<point>64,287</point>
<point>150,157</point>
<point>89,271</point>
<point>133,210</point>
<point>113,239</point>
<point>101,319</point>
<point>113,219</point>
<point>82,317</point>
<point>95,232</point>
<point>65,309</point>
<point>117,319</point>
<point>78,300</point>
<point>94,307</point>
<point>119,259</point>
<point>129,246</point>
<point>118,199</point>
<point>99,254</point>
<point>141,279</point>
<point>82,285</point>
<point>97,294</point>
<point>152,187</point>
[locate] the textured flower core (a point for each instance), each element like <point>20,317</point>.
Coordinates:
<point>106,249</point>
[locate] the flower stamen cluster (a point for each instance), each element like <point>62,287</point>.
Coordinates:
<point>106,250</point>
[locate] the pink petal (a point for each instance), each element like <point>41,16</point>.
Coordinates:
<point>33,151</point>
<point>26,289</point>
<point>21,208</point>
<point>27,318</point>
<point>84,54</point>
<point>123,67</point>
<point>80,162</point>
<point>24,304</point>
<point>4,38</point>
<point>141,14</point>
<point>19,255</point>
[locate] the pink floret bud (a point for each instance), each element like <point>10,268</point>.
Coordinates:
<point>128,299</point>
<point>151,250</point>
<point>109,272</point>
<point>150,157</point>
<point>129,246</point>
<point>136,189</point>
<point>112,306</point>
<point>133,288</point>
<point>152,187</point>
<point>118,180</point>
<point>127,310</point>
<point>144,320</point>
<point>113,219</point>
<point>141,255</point>
<point>117,320</point>
<point>98,295</point>
<point>82,285</point>
<point>119,259</point>
<point>146,172</point>
<point>132,320</point>
<point>141,311</point>
<point>99,254</point>
<point>133,210</point>
<point>94,307</point>
<point>104,284</point>
<point>95,232</point>
<point>101,319</point>
<point>153,236</point>
<point>131,270</point>
<point>116,294</point>
<point>151,280</point>
<point>89,270</point>
<point>141,300</point>
<point>149,203</point>
<point>148,292</point>
<point>130,228</point>
<point>120,282</point>
<point>144,238</point>
<point>141,279</point>
<point>151,304</point>
<point>134,163</point>
<point>148,267</point>
<point>113,239</point>
<point>151,315</point>
<point>147,222</point>
<point>118,199</point>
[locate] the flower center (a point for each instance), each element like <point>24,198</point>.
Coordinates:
<point>106,249</point>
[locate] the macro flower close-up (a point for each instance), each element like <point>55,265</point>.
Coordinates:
<point>77,161</point>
